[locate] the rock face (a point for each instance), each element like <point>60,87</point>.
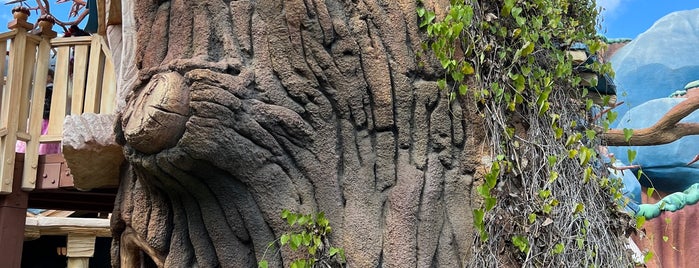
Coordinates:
<point>659,61</point>
<point>302,105</point>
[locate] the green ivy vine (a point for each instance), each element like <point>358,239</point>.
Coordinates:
<point>510,59</point>
<point>311,233</point>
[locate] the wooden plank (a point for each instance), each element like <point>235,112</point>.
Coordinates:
<point>80,245</point>
<point>36,112</point>
<point>29,61</point>
<point>7,35</point>
<point>3,132</point>
<point>102,17</point>
<point>114,13</point>
<point>71,41</point>
<point>45,222</point>
<point>51,138</point>
<point>3,51</point>
<point>108,99</point>
<point>14,80</point>
<point>78,262</point>
<point>60,92</point>
<point>79,77</point>
<point>94,77</point>
<point>23,136</point>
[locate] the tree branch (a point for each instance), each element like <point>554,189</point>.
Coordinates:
<point>666,130</point>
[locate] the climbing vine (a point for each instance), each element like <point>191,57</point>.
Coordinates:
<point>546,195</point>
<point>311,234</point>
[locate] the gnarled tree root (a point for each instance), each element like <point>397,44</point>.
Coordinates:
<point>131,247</point>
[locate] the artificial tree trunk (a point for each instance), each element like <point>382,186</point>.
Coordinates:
<point>240,109</point>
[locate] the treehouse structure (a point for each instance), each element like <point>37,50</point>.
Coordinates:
<point>81,177</point>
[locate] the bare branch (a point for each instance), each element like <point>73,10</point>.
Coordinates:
<point>666,130</point>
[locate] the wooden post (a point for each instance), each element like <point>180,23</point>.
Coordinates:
<point>11,99</point>
<point>31,158</point>
<point>94,77</point>
<point>80,248</point>
<point>13,211</point>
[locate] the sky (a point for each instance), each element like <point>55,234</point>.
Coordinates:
<point>629,18</point>
<point>59,10</point>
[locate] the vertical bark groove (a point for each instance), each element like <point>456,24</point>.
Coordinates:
<point>302,105</point>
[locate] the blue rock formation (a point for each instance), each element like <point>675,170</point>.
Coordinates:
<point>659,61</point>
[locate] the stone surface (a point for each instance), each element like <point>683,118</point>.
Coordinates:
<point>91,151</point>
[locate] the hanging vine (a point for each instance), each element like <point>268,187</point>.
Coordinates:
<point>545,196</point>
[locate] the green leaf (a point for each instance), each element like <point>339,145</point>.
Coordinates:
<point>478,215</point>
<point>631,154</point>
<point>442,83</point>
<point>579,207</point>
<point>463,89</point>
<point>420,12</point>
<point>285,213</point>
<point>640,220</point>
<point>307,238</point>
<point>648,256</point>
<point>649,191</point>
<point>627,134</point>
<point>526,49</point>
<point>262,264</point>
<point>518,81</point>
<point>296,240</point>
<point>333,251</point>
<point>552,159</point>
<point>665,238</point>
<point>532,218</point>
<point>291,218</point>
<point>467,68</point>
<point>521,242</point>
<point>300,263</point>
<point>489,203</point>
<point>558,248</point>
<point>507,7</point>
<point>429,17</point>
<point>553,176</point>
<point>284,239</point>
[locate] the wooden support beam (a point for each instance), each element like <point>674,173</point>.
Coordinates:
<point>36,111</point>
<point>13,208</point>
<point>10,106</point>
<point>80,249</point>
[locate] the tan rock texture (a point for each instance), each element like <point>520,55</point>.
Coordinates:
<point>89,143</point>
<point>240,109</point>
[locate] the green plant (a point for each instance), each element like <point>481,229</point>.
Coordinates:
<point>311,233</point>
<point>510,59</point>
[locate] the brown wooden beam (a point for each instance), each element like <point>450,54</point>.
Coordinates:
<point>13,209</point>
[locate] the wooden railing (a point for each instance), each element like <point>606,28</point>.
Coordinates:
<point>83,83</point>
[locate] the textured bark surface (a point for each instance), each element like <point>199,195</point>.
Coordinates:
<point>244,108</point>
